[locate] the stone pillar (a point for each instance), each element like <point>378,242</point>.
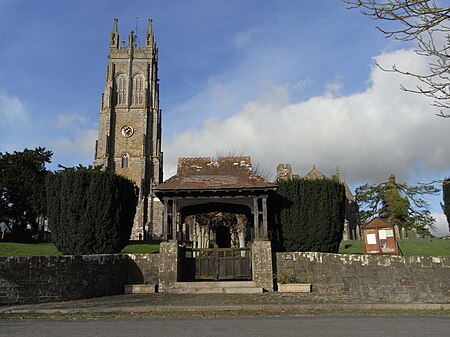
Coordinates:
<point>168,266</point>
<point>262,269</point>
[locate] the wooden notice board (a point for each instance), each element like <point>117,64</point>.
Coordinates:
<point>379,238</point>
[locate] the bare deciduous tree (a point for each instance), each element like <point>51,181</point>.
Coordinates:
<point>426,23</point>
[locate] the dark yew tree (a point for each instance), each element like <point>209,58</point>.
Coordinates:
<point>446,198</point>
<point>22,188</point>
<point>311,214</point>
<point>90,211</point>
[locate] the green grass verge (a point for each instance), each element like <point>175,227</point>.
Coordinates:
<point>49,249</point>
<point>139,247</point>
<point>408,247</point>
<point>28,249</point>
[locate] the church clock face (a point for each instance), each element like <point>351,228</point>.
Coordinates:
<point>127,131</point>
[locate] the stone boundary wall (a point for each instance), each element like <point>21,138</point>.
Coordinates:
<point>392,279</point>
<point>372,278</point>
<point>143,268</point>
<point>56,278</point>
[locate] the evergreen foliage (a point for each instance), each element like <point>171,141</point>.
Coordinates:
<point>394,206</point>
<point>398,203</point>
<point>90,211</point>
<point>22,189</point>
<point>446,197</point>
<point>312,214</point>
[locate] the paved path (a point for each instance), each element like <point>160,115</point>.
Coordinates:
<point>161,304</point>
<point>341,326</point>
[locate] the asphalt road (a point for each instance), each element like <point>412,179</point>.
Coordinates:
<point>311,326</point>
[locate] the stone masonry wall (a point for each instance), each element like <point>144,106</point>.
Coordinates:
<point>376,278</point>
<point>144,269</point>
<point>57,278</point>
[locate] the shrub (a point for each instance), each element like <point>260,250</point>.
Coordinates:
<point>446,198</point>
<point>90,211</point>
<point>312,214</point>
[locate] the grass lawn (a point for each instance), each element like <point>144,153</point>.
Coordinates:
<point>140,247</point>
<point>48,249</point>
<point>28,249</point>
<point>408,247</point>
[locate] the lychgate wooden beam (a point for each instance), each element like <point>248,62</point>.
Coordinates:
<point>256,216</point>
<point>264,210</point>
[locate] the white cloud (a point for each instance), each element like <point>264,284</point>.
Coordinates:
<point>14,123</point>
<point>80,143</point>
<point>67,135</point>
<point>334,88</point>
<point>78,146</point>
<point>242,38</point>
<point>370,134</point>
<point>11,109</point>
<point>78,136</point>
<point>441,224</point>
<point>302,84</point>
<point>67,120</point>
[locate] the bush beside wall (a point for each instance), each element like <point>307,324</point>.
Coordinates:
<point>311,214</point>
<point>90,211</point>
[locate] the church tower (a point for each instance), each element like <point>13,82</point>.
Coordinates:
<point>129,134</point>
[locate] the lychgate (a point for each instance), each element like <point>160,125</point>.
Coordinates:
<point>215,211</point>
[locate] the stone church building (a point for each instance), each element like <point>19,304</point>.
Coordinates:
<point>129,144</point>
<point>129,134</point>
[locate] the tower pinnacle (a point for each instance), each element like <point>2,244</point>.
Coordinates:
<point>149,39</point>
<point>114,35</point>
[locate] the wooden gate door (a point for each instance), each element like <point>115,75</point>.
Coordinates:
<point>217,264</point>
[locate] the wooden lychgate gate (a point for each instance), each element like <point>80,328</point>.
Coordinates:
<point>216,264</point>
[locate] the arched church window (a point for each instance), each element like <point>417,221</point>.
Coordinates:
<point>125,159</point>
<point>121,89</point>
<point>137,97</point>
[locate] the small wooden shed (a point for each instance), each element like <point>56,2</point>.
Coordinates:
<point>379,238</point>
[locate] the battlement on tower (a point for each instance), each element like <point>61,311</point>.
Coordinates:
<point>120,47</point>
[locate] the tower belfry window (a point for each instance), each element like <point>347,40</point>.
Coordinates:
<point>125,159</point>
<point>121,89</point>
<point>137,97</point>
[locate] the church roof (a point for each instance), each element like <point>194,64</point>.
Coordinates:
<point>315,174</point>
<point>204,174</point>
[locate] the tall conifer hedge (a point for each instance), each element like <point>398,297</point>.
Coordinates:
<point>312,214</point>
<point>446,197</point>
<point>90,211</point>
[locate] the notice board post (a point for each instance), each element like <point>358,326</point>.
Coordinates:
<point>379,238</point>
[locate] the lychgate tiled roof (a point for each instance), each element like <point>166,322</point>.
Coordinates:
<point>204,174</point>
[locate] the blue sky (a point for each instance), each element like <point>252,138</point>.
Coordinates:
<point>282,81</point>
